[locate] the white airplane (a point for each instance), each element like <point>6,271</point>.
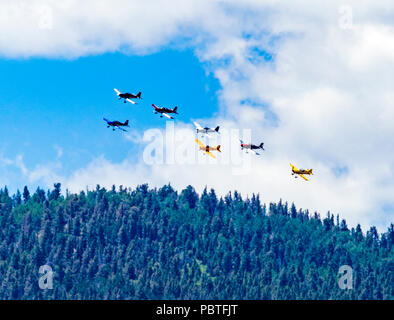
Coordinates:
<point>205,130</point>
<point>128,96</point>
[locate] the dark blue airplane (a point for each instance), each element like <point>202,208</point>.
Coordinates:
<point>117,124</point>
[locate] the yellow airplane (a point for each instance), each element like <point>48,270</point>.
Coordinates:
<point>300,172</point>
<point>206,149</point>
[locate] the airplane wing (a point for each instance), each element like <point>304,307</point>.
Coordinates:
<point>213,156</point>
<point>106,120</point>
<point>122,129</point>
<point>293,167</point>
<point>167,115</point>
<point>198,126</point>
<point>200,143</point>
<point>256,153</point>
<point>131,101</point>
<point>302,176</point>
<point>117,91</point>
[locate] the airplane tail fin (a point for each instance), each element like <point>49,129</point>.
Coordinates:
<point>217,129</point>
<point>262,145</point>
<point>218,148</point>
<point>175,110</point>
<point>311,171</point>
<point>126,123</point>
<point>139,95</point>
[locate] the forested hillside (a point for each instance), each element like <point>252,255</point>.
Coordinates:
<point>161,244</point>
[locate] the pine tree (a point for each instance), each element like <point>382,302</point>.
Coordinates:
<point>26,194</point>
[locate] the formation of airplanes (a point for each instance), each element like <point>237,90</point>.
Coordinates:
<point>204,131</point>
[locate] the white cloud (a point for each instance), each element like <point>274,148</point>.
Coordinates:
<point>329,89</point>
<point>73,28</point>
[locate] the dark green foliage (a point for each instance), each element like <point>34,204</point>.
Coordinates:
<point>26,194</point>
<point>158,244</point>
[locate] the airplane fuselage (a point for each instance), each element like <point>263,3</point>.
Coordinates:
<point>205,130</point>
<point>302,171</point>
<point>129,96</point>
<point>117,124</point>
<point>250,146</point>
<point>208,148</point>
<point>165,110</point>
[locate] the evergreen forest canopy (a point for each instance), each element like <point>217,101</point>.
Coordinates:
<point>162,244</point>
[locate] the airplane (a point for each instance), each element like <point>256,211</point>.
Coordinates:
<point>128,96</point>
<point>300,172</point>
<point>165,111</point>
<point>205,130</point>
<point>117,124</point>
<point>252,147</point>
<point>207,149</point>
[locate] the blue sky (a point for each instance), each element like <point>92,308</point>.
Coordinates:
<point>47,104</point>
